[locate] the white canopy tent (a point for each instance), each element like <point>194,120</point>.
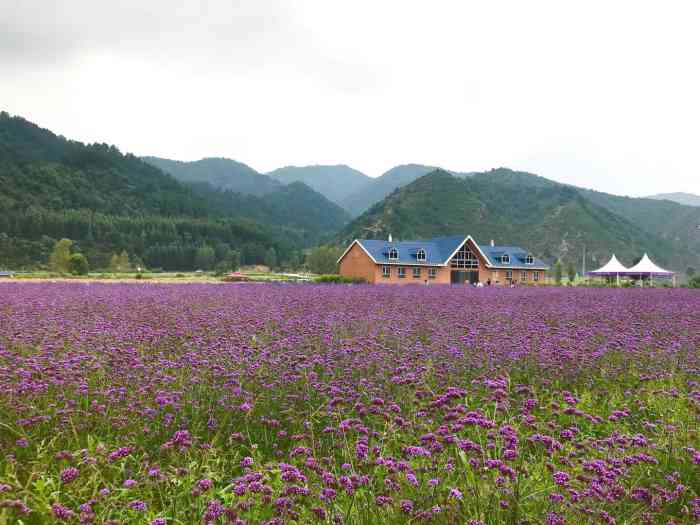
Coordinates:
<point>612,268</point>
<point>646,268</point>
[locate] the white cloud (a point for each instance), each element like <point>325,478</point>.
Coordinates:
<point>599,94</point>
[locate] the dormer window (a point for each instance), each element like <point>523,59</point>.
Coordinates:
<point>393,254</point>
<point>420,255</point>
<point>529,259</point>
<point>505,259</point>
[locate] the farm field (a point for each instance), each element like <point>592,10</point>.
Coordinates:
<point>248,404</point>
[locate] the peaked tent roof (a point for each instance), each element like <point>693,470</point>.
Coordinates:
<point>647,267</point>
<point>613,267</point>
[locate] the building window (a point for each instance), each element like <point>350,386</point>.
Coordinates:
<point>523,276</point>
<point>529,259</point>
<point>402,272</point>
<point>432,273</point>
<point>416,273</point>
<point>464,258</point>
<point>535,276</point>
<point>509,276</point>
<point>393,254</point>
<point>505,259</point>
<point>494,277</point>
<point>420,255</point>
<point>386,271</point>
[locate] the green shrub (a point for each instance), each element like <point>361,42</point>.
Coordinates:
<point>338,279</point>
<point>78,264</point>
<point>694,282</point>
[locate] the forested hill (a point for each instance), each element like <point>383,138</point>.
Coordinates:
<point>238,190</point>
<point>336,183</point>
<point>51,188</point>
<point>225,174</point>
<point>43,170</point>
<point>551,219</point>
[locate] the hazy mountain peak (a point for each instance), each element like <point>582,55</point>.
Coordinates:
<point>688,199</point>
<point>335,182</point>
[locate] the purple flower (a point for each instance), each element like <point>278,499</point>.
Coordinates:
<point>61,513</point>
<point>138,505</point>
<point>204,484</point>
<point>456,493</point>
<point>561,478</point>
<point>69,474</point>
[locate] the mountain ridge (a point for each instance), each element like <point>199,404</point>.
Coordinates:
<point>680,197</point>
<point>335,182</point>
<point>555,221</point>
<point>106,201</point>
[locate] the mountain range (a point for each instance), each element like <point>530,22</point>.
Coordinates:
<point>52,187</point>
<point>681,198</point>
<point>553,220</point>
<point>164,212</point>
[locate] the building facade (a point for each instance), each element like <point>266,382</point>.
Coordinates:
<point>443,260</point>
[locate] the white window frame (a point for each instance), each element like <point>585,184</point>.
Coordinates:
<point>505,259</point>
<point>529,259</point>
<point>523,276</point>
<point>393,254</point>
<point>421,256</point>
<point>535,276</point>
<point>416,272</point>
<point>386,272</point>
<point>402,272</point>
<point>464,259</point>
<point>432,273</point>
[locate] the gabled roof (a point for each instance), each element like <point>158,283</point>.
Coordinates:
<point>517,256</point>
<point>439,251</point>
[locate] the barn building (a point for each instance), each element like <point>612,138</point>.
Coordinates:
<point>443,260</point>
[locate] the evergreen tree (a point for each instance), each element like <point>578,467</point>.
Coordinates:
<point>234,259</point>
<point>204,257</point>
<point>120,263</point>
<point>571,272</point>
<point>271,258</point>
<point>558,272</point>
<point>59,261</point>
<point>323,260</point>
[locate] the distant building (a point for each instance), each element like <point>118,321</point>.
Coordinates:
<point>443,260</point>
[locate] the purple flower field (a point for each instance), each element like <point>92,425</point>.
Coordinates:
<point>248,404</point>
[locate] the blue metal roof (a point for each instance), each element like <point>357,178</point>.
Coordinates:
<point>516,254</point>
<point>439,249</point>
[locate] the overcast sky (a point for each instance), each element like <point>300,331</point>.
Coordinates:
<point>603,94</point>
